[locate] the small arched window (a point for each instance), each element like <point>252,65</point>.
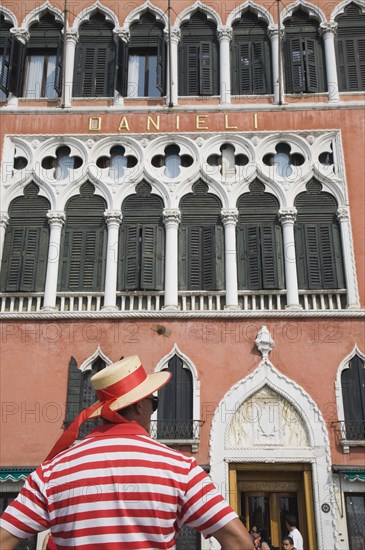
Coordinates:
<point>351,49</point>
<point>353,396</point>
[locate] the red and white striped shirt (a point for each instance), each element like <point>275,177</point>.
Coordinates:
<point>116,489</point>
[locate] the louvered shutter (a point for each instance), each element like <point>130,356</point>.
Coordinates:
<point>5,70</point>
<point>132,256</point>
<point>268,258</point>
<point>243,65</point>
<point>242,258</point>
<point>161,65</point>
<point>148,261</point>
<point>208,252</point>
<point>30,258</point>
<point>327,256</point>
<point>16,238</point>
<point>353,384</point>
<point>351,63</point>
<point>159,259</point>
<point>121,80</point>
<point>295,65</point>
<point>258,67</point>
<point>195,258</point>
<point>183,258</point>
<point>73,250</point>
<point>73,392</point>
<point>312,64</point>
<point>219,283</point>
<point>299,233</point>
<point>192,69</point>
<point>338,256</point>
<point>59,67</point>
<point>92,254</point>
<point>312,257</point>
<point>279,257</point>
<point>252,238</point>
<point>206,68</point>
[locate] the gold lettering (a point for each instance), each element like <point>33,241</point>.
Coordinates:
<point>177,122</point>
<point>94,123</point>
<point>155,124</point>
<point>255,122</point>
<point>200,120</point>
<point>226,124</point>
<point>124,124</point>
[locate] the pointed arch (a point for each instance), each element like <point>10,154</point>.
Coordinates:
<point>35,15</point>
<point>98,353</point>
<point>135,15</point>
<point>311,9</point>
<point>316,451</point>
<point>9,16</point>
<point>187,364</point>
<point>86,13</point>
<point>255,8</point>
<point>345,364</point>
<point>211,14</point>
<point>340,8</point>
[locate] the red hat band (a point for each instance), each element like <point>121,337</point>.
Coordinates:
<point>124,386</point>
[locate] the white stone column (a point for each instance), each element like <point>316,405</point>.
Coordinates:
<point>171,221</point>
<point>175,39</point>
<point>4,220</point>
<point>225,37</point>
<point>229,219</point>
<point>328,31</point>
<point>348,258</point>
<point>287,218</point>
<point>72,37</point>
<point>273,32</point>
<point>56,221</point>
<point>113,220</point>
<point>22,35</point>
<point>120,34</point>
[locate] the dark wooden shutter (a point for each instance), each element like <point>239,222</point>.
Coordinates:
<point>219,283</point>
<point>312,257</point>
<point>195,259</point>
<point>83,259</point>
<point>184,258</point>
<point>132,257</point>
<point>73,392</point>
<point>253,257</point>
<point>338,256</point>
<point>14,256</point>
<point>242,258</point>
<point>121,80</point>
<point>30,258</point>
<point>209,255</point>
<point>206,68</point>
<point>268,257</point>
<point>243,65</point>
<point>258,67</point>
<point>299,233</point>
<point>280,277</point>
<point>313,68</point>
<point>327,257</point>
<point>159,258</point>
<point>148,270</point>
<point>161,65</point>
<point>59,67</point>
<point>295,65</point>
<point>12,69</point>
<point>353,396</point>
<point>351,63</point>
<point>192,69</point>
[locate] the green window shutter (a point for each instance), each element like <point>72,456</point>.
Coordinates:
<point>183,258</point>
<point>30,259</point>
<point>243,65</point>
<point>206,68</point>
<point>161,65</point>
<point>252,238</point>
<point>338,256</point>
<point>132,257</point>
<point>192,69</point>
<point>242,258</point>
<point>209,253</point>
<point>299,232</point>
<point>92,254</point>
<point>148,260</point>
<point>351,63</point>
<point>160,257</point>
<point>78,70</point>
<point>74,248</point>
<point>295,66</point>
<point>312,65</point>
<point>195,259</point>
<point>258,67</point>
<point>312,257</point>
<point>121,80</point>
<point>12,69</point>
<point>279,257</point>
<point>17,237</point>
<point>219,258</point>
<point>268,257</point>
<point>59,67</point>
<point>327,256</point>
<point>5,70</point>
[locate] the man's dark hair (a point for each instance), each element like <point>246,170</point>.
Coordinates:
<point>290,539</point>
<point>291,520</point>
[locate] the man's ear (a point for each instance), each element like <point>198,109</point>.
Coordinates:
<point>138,408</point>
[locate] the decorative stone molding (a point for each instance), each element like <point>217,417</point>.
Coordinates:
<point>22,34</point>
<point>229,216</point>
<point>4,220</point>
<point>273,31</point>
<point>72,35</point>
<point>171,215</point>
<point>343,214</point>
<point>287,215</point>
<point>175,35</point>
<point>87,364</point>
<point>224,33</point>
<point>123,34</point>
<point>56,217</point>
<point>113,216</point>
<point>328,28</point>
<point>264,342</point>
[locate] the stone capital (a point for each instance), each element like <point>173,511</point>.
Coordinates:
<point>113,216</point>
<point>56,217</point>
<point>330,27</point>
<point>22,34</point>
<point>273,31</point>
<point>224,33</point>
<point>229,215</point>
<point>171,215</point>
<point>343,214</point>
<point>123,34</point>
<point>72,35</point>
<point>175,34</point>
<point>287,215</point>
<point>4,219</point>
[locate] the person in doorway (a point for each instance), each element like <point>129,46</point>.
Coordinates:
<point>288,544</point>
<point>118,488</point>
<point>294,533</point>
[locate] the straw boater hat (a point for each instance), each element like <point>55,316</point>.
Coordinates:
<point>117,386</point>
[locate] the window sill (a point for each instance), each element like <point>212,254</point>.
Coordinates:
<point>346,444</point>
